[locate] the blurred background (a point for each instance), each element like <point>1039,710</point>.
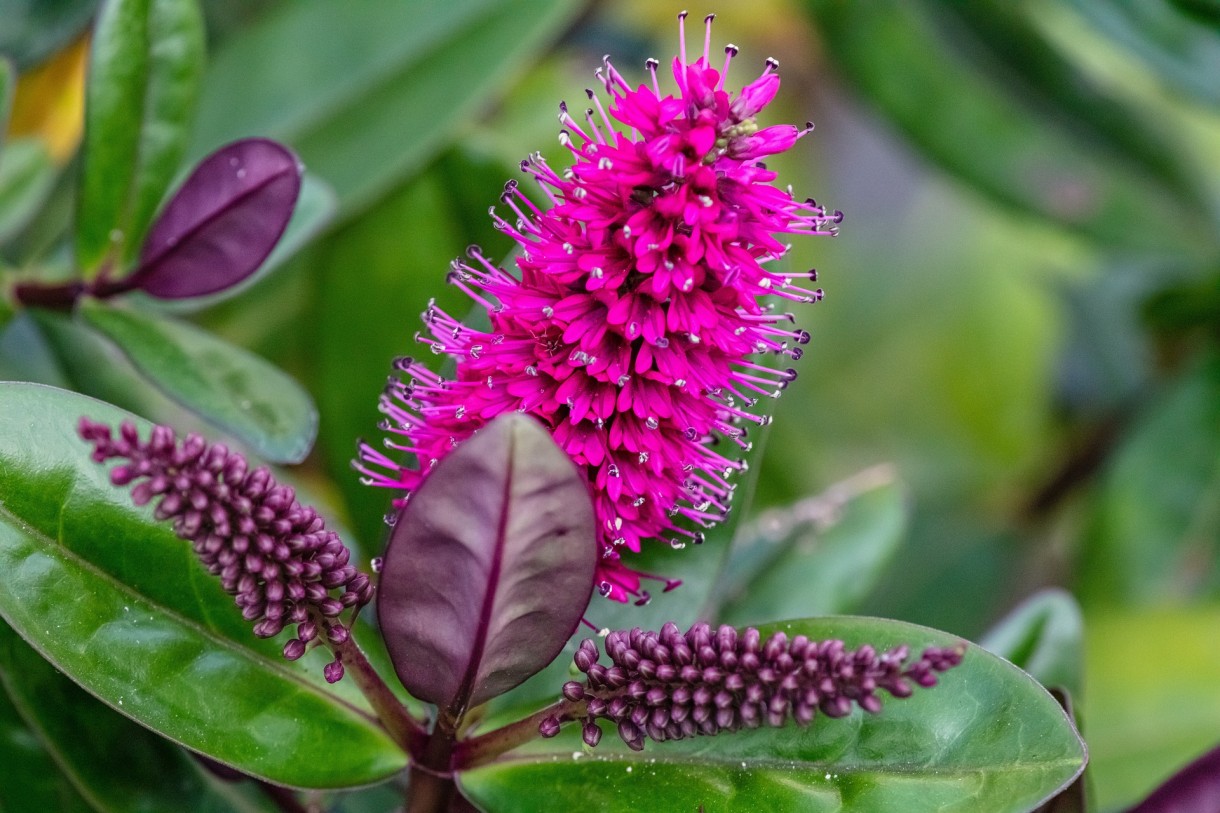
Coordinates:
<point>1022,309</point>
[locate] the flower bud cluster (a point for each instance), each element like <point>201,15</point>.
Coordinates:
<point>269,551</point>
<point>668,686</point>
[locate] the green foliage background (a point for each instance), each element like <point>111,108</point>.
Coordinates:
<point>1022,310</point>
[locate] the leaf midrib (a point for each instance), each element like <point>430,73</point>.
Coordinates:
<point>755,764</point>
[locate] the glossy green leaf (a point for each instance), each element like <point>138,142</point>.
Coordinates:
<point>1073,798</point>
<point>145,65</point>
<point>226,385</point>
<point>35,29</point>
<point>1044,635</point>
<point>91,365</point>
<point>411,72</point>
<point>982,131</point>
<point>1182,47</point>
<point>27,175</point>
<point>122,606</point>
<point>987,738</point>
<point>1150,703</point>
<point>117,765</point>
<point>1155,535</point>
<point>31,780</point>
<point>820,556</point>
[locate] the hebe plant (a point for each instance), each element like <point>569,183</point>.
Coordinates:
<point>600,407</point>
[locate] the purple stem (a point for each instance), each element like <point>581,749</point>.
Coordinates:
<point>408,732</point>
<point>483,749</point>
<point>63,295</point>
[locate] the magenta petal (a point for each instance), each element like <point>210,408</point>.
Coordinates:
<point>222,222</point>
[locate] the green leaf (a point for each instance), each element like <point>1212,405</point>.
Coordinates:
<point>989,136</point>
<point>1184,307</point>
<point>1155,534</point>
<point>1150,701</point>
<point>820,556</point>
<point>35,29</point>
<point>411,72</point>
<point>27,175</point>
<point>144,72</point>
<point>987,738</point>
<point>31,780</point>
<point>8,86</point>
<point>114,763</point>
<point>1182,47</point>
<point>227,386</point>
<point>122,606</point>
<point>1006,43</point>
<point>91,365</point>
<point>1044,635</point>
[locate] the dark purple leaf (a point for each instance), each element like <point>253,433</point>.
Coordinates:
<point>489,567</point>
<point>222,222</point>
<point>1194,789</point>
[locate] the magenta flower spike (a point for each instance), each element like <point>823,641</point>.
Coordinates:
<point>633,326</point>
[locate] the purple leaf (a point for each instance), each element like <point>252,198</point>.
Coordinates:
<point>222,222</point>
<point>1194,789</point>
<point>489,567</point>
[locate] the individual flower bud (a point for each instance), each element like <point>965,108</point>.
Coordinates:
<point>549,727</point>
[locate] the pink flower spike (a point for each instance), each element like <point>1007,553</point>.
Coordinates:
<point>631,326</point>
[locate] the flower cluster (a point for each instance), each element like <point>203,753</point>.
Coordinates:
<point>273,554</point>
<point>667,686</point>
<point>640,303</point>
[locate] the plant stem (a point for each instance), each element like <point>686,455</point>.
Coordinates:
<point>58,296</point>
<point>428,792</point>
<point>486,747</point>
<point>431,787</point>
<point>408,732</point>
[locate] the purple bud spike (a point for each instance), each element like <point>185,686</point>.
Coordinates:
<point>716,680</point>
<point>273,555</point>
